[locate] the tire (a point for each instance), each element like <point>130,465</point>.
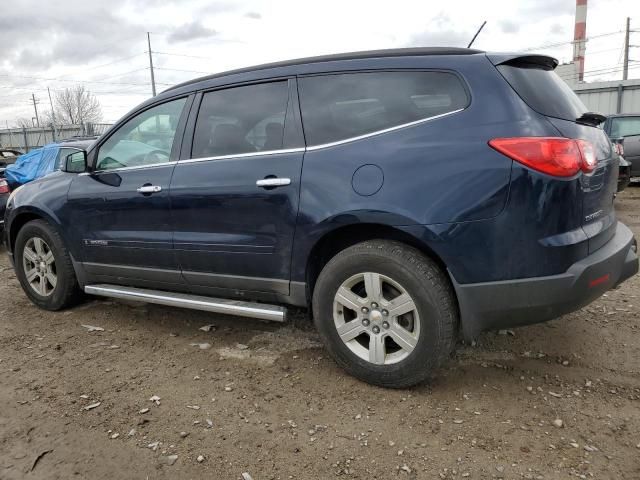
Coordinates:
<point>413,343</point>
<point>39,238</point>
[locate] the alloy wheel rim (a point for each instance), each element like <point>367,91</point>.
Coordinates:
<point>376,318</point>
<point>39,266</point>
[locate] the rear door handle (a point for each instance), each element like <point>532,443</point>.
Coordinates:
<point>273,182</point>
<point>149,189</point>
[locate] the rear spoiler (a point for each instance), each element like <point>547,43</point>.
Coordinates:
<point>523,60</point>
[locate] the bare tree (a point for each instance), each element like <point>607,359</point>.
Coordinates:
<point>77,105</point>
<point>24,122</point>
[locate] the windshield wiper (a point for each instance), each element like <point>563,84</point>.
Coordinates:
<point>591,118</point>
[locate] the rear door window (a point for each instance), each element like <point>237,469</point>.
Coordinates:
<point>239,120</point>
<point>343,106</point>
<point>543,90</point>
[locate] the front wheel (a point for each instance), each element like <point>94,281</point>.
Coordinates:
<point>43,267</point>
<point>386,313</point>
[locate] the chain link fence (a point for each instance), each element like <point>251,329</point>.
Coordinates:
<point>26,139</point>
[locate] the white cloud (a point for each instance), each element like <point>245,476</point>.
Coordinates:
<point>72,41</point>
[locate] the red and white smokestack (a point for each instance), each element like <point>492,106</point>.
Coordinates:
<point>580,37</point>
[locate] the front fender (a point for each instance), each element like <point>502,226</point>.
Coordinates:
<point>44,198</point>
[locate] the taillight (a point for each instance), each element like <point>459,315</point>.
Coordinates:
<point>589,160</point>
<point>4,186</point>
<point>560,157</point>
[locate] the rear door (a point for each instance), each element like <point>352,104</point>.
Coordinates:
<point>533,78</point>
<point>235,191</point>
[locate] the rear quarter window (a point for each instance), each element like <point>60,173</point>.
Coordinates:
<point>342,106</point>
<point>543,90</point>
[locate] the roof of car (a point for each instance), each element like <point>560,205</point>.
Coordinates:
<point>396,52</point>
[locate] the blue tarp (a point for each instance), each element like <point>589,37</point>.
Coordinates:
<point>32,165</point>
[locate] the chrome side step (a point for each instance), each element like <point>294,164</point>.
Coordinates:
<point>218,305</point>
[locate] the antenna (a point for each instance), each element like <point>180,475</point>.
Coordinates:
<point>477,33</point>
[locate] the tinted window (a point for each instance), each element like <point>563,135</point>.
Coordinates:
<point>625,127</point>
<point>544,91</point>
<point>144,140</point>
<point>241,120</point>
<point>337,107</point>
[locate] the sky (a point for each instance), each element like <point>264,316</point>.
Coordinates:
<point>103,45</point>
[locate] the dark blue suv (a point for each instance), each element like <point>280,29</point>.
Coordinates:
<point>406,196</point>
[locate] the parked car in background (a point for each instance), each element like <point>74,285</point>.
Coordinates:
<point>624,175</point>
<point>8,156</point>
<point>42,161</point>
<point>35,164</point>
<point>369,187</point>
<point>4,196</point>
<point>627,127</point>
<point>624,168</point>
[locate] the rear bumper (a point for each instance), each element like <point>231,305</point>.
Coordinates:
<point>512,303</point>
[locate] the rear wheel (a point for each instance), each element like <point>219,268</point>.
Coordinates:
<point>386,313</point>
<point>44,268</point>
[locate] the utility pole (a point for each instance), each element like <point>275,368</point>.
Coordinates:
<point>33,97</point>
<point>53,115</point>
<point>625,69</point>
<point>153,80</point>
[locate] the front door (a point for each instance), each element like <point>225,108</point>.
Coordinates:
<point>120,213</point>
<point>235,194</point>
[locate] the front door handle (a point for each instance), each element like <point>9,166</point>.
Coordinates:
<point>149,189</point>
<point>272,182</point>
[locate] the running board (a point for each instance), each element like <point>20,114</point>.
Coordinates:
<point>195,302</point>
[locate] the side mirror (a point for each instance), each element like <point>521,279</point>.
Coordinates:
<point>75,162</point>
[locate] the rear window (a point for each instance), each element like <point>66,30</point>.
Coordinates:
<point>543,90</point>
<point>339,107</point>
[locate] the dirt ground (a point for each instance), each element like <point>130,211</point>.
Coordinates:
<point>266,400</point>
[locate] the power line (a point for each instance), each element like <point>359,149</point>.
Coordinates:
<point>592,73</point>
<point>58,79</point>
<point>560,44</point>
<point>62,77</point>
<point>181,70</point>
<point>182,55</point>
<point>122,92</point>
<point>119,60</point>
<point>124,73</point>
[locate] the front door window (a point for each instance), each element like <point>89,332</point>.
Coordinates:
<point>146,139</point>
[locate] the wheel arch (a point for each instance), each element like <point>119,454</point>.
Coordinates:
<point>336,240</point>
<point>23,216</point>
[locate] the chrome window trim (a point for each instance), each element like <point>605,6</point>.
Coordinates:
<point>244,155</point>
<point>136,167</point>
<point>380,132</point>
<point>285,150</point>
